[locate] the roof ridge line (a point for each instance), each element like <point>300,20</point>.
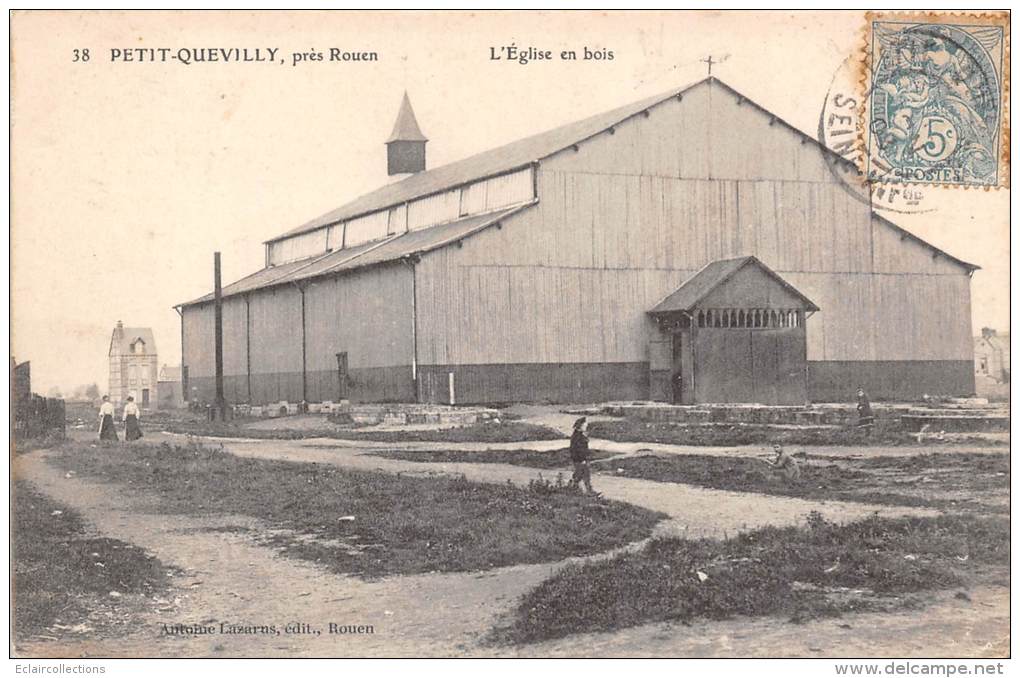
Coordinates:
<point>675,92</point>
<point>746,260</point>
<point>682,283</point>
<point>655,100</point>
<point>889,222</point>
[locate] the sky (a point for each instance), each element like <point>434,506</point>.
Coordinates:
<point>127,176</point>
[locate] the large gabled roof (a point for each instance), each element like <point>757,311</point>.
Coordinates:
<point>524,152</point>
<point>496,161</point>
<point>700,285</point>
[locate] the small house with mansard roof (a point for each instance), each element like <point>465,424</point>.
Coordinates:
<point>134,365</point>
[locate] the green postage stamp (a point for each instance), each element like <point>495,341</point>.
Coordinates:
<point>937,92</point>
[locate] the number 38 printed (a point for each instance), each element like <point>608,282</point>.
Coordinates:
<point>80,55</point>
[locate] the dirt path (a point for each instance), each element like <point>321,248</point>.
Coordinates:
<point>229,578</point>
<point>693,511</point>
<point>611,446</point>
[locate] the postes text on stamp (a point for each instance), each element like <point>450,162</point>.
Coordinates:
<point>937,94</point>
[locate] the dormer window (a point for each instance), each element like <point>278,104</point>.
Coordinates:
<point>138,346</point>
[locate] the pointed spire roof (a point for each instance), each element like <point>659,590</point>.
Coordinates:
<point>406,127</point>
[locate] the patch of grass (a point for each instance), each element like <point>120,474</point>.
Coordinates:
<point>63,574</point>
<point>952,480</point>
<point>400,524</point>
<point>530,458</point>
<point>802,572</point>
<point>26,445</point>
<point>885,434</point>
<point>977,462</point>
<point>482,432</point>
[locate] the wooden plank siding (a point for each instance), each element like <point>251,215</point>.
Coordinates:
<point>235,349</point>
<point>625,218</point>
<point>367,314</point>
<point>552,303</point>
<point>198,351</point>
<point>275,336</point>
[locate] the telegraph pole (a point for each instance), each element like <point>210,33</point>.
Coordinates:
<point>219,411</point>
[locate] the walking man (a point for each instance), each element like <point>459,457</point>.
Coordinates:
<point>865,417</point>
<point>580,455</point>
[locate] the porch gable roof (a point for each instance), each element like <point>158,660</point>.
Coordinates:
<point>714,275</point>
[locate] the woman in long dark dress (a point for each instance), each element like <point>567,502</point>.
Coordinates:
<point>132,431</point>
<point>107,431</point>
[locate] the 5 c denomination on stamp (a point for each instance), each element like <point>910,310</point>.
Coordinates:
<point>937,99</point>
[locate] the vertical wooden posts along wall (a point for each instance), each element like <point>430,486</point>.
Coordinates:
<point>219,409</point>
<point>184,367</point>
<point>304,351</point>
<point>247,344</point>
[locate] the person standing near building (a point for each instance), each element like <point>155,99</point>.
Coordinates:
<point>865,417</point>
<point>132,431</point>
<point>107,431</point>
<point>580,455</point>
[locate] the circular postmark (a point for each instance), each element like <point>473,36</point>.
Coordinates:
<point>841,130</point>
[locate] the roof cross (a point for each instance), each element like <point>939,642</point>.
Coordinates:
<point>709,61</point>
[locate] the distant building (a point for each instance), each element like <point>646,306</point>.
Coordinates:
<point>168,390</point>
<point>134,365</point>
<point>34,416</point>
<point>991,355</point>
<point>21,376</point>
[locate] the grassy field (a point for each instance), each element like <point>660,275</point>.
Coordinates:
<point>556,459</point>
<point>886,433</point>
<point>365,523</point>
<point>820,569</point>
<point>484,432</point>
<point>951,481</point>
<point>63,575</point>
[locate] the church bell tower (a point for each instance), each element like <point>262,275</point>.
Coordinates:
<point>405,149</point>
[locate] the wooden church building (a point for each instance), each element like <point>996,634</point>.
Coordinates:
<point>691,247</point>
